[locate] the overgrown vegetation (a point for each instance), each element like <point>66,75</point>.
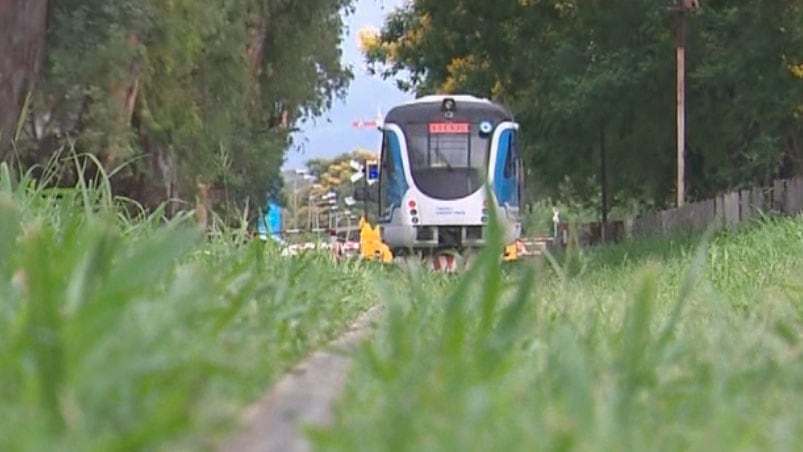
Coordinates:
<point>659,345</point>
<point>120,333</point>
<point>133,333</point>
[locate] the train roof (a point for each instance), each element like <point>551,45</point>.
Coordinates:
<point>420,109</point>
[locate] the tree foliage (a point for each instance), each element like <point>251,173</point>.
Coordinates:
<point>334,175</point>
<point>184,94</point>
<point>581,75</point>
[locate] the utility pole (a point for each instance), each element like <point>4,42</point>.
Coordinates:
<point>680,54</point>
<point>681,9</point>
<point>603,169</point>
<point>304,175</point>
<point>295,202</point>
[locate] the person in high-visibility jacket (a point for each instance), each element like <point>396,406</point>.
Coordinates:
<point>371,245</point>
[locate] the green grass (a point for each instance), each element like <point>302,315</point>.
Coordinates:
<point>650,345</point>
<point>121,333</point>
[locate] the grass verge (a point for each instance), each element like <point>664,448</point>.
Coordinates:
<point>130,334</point>
<point>657,345</point>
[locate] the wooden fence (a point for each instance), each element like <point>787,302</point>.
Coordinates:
<point>726,211</point>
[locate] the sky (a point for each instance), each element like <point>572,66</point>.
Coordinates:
<point>333,134</point>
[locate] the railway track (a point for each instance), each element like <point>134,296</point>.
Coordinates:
<point>303,397</point>
<point>449,261</point>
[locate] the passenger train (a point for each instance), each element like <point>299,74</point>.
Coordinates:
<point>437,152</point>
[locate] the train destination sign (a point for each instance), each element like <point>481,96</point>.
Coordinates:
<point>449,127</point>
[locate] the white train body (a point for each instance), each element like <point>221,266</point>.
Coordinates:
<point>437,153</point>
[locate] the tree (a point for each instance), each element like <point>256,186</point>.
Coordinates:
<point>173,96</point>
<point>22,34</point>
<point>581,76</point>
<point>334,175</point>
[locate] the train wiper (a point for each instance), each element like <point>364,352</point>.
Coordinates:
<point>443,159</point>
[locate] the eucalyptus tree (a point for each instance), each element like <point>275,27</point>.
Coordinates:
<point>22,35</point>
<point>172,96</point>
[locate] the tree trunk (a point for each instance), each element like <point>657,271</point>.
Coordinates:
<point>124,94</point>
<point>256,47</point>
<point>156,181</point>
<point>202,207</point>
<point>23,27</point>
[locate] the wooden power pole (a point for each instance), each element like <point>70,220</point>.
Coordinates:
<point>603,170</point>
<point>681,10</point>
<point>680,55</point>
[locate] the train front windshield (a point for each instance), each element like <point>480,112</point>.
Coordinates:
<point>448,160</point>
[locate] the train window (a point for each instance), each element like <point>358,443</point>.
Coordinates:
<point>478,153</point>
<point>452,149</point>
<point>387,159</point>
<point>386,169</point>
<point>418,145</point>
<point>449,150</point>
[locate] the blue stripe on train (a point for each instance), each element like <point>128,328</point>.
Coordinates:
<point>504,187</point>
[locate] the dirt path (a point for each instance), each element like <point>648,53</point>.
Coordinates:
<point>302,397</point>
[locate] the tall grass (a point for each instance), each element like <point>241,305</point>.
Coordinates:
<point>642,346</point>
<point>121,333</point>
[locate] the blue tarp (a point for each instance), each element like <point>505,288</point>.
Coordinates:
<point>271,222</point>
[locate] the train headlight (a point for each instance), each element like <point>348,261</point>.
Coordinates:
<point>486,127</point>
<point>448,105</point>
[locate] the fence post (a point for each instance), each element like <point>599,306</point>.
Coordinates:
<point>778,195</point>
<point>722,215</point>
<point>627,233</point>
<point>757,201</point>
<point>709,213</point>
<point>794,190</point>
<point>732,204</point>
<point>745,212</point>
